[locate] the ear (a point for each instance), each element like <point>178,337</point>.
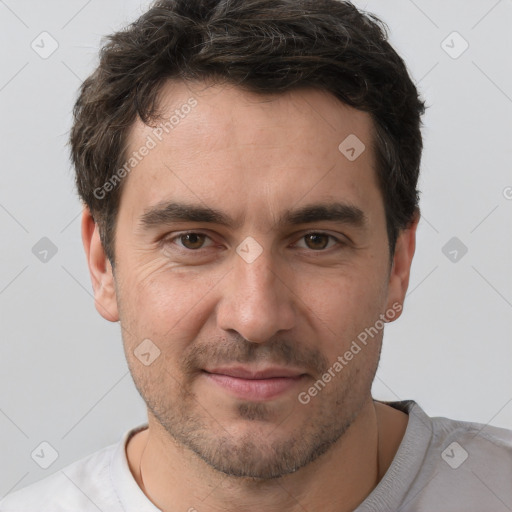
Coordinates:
<point>401,267</point>
<point>102,276</point>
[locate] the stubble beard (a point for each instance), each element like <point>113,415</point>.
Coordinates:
<point>266,449</point>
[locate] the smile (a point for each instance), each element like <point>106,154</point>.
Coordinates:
<point>253,385</point>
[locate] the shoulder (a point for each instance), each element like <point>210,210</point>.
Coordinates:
<point>82,486</point>
<point>467,465</point>
<point>445,464</point>
<point>471,441</point>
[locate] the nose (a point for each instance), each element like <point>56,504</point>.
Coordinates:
<point>257,299</point>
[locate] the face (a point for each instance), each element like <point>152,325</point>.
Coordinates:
<point>251,254</point>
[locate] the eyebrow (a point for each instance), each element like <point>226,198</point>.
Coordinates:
<point>168,212</point>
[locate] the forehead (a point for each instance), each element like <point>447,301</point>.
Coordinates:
<point>230,116</point>
<point>224,146</point>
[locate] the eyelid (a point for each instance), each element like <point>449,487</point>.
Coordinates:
<point>176,236</point>
<point>338,240</point>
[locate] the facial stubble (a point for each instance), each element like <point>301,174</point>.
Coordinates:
<point>268,441</point>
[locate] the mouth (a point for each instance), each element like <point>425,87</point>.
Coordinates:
<point>255,385</point>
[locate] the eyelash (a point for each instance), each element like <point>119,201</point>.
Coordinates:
<point>171,240</point>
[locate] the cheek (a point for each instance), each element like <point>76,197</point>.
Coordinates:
<point>166,305</point>
<point>340,309</point>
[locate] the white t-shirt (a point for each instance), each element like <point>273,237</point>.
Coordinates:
<point>441,465</point>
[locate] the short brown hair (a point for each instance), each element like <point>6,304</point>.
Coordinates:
<point>262,46</point>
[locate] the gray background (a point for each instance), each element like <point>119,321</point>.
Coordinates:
<point>63,377</point>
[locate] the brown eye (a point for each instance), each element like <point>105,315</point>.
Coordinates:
<point>317,241</point>
<point>192,240</point>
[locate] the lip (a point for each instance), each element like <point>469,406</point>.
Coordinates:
<point>243,372</point>
<point>255,385</point>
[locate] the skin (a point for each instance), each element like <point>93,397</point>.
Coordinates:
<point>299,304</point>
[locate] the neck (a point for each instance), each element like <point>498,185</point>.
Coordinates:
<point>173,478</point>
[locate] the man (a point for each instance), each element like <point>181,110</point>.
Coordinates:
<point>249,171</point>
